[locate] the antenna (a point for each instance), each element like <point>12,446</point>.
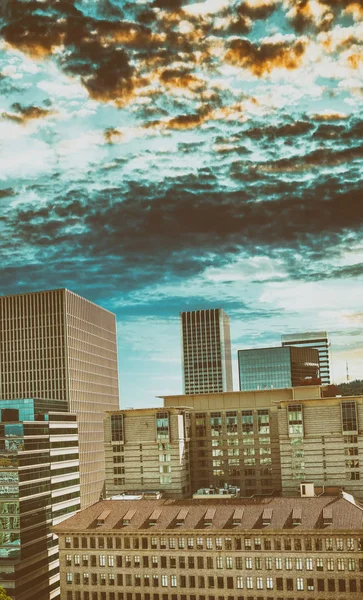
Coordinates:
<point>347,370</point>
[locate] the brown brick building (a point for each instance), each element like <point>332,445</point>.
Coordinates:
<point>267,549</point>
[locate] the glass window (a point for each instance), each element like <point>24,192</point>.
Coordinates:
<point>349,416</point>
<point>117,428</point>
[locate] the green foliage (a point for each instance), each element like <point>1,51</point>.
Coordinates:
<point>3,594</point>
<point>353,388</point>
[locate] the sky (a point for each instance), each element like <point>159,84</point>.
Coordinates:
<point>167,155</point>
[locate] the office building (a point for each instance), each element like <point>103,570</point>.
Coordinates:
<point>206,351</point>
<point>39,486</point>
<point>147,450</point>
<point>321,440</point>
<point>264,368</point>
<point>235,439</point>
<point>319,341</point>
<point>60,347</point>
<point>267,549</point>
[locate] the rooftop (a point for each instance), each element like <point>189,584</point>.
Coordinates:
<point>344,514</point>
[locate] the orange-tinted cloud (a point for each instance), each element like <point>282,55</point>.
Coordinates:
<point>180,79</point>
<point>35,35</point>
<point>266,57</point>
<point>112,135</point>
<point>23,114</point>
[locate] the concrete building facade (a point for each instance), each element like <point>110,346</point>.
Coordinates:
<point>148,449</point>
<point>39,486</point>
<point>321,440</point>
<point>264,368</point>
<point>313,339</point>
<point>60,347</point>
<point>268,549</point>
<point>235,438</point>
<point>206,351</point>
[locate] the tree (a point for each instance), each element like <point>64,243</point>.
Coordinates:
<point>3,594</point>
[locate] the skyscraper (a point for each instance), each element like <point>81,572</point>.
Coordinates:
<point>313,339</point>
<point>57,346</point>
<point>206,351</point>
<point>264,368</point>
<point>39,486</point>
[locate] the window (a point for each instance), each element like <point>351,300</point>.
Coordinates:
<point>248,562</point>
<point>239,582</point>
<point>319,564</point>
<point>278,563</point>
<point>299,564</point>
<point>258,563</point>
<point>249,583</point>
<point>349,416</point>
<point>340,564</point>
<point>164,581</point>
<point>229,562</point>
<point>173,581</point>
<point>162,425</point>
<point>351,564</point>
<point>309,564</point>
<point>310,584</point>
<point>259,583</point>
<point>269,583</point>
<point>288,564</point>
<point>117,428</point>
<point>268,564</point>
<point>300,584</point>
<point>219,562</point>
<point>350,544</point>
<point>248,544</point>
<point>69,577</point>
<point>102,560</point>
<point>239,562</point>
<point>295,420</point>
<point>339,543</point>
<point>330,564</point>
<point>329,544</point>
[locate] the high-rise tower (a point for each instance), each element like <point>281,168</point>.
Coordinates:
<point>57,346</point>
<point>206,351</point>
<point>313,339</point>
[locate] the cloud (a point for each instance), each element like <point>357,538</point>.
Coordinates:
<point>262,59</point>
<point>23,114</point>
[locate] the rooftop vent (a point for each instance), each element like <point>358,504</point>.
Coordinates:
<point>208,517</point>
<point>328,515</point>
<point>307,490</point>
<point>267,516</point>
<point>237,516</point>
<point>128,516</point>
<point>296,516</point>
<point>102,518</point>
<point>154,517</point>
<point>181,516</point>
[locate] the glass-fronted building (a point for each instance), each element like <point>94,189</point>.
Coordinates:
<point>39,487</point>
<point>276,368</point>
<point>313,339</point>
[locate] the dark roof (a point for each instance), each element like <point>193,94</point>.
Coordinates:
<point>346,515</point>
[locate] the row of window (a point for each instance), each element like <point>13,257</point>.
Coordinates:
<point>217,543</point>
<point>109,595</point>
<point>220,562</point>
<point>239,582</point>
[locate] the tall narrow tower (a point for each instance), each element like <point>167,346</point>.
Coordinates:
<point>57,346</point>
<point>206,351</point>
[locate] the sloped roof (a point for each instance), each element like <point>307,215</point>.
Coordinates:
<point>345,515</point>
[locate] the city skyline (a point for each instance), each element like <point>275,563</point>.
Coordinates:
<point>168,156</point>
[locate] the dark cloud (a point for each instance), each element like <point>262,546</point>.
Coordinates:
<point>263,58</point>
<point>284,130</point>
<point>23,114</point>
<point>140,235</point>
